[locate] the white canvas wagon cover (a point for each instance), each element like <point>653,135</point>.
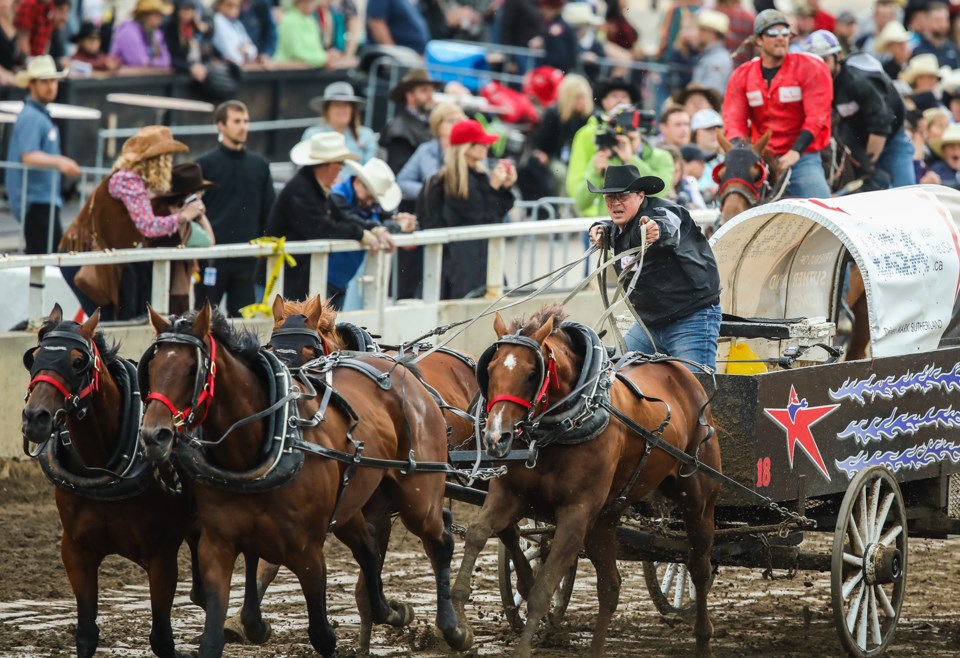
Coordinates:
<point>784,260</point>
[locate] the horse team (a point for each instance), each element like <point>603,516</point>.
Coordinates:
<point>209,389</point>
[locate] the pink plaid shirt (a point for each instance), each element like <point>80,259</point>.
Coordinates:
<point>128,187</point>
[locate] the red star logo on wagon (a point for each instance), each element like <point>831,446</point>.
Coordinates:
<point>797,419</point>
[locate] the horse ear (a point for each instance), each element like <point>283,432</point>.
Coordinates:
<point>89,327</point>
<point>541,334</point>
<point>159,323</point>
<point>498,325</point>
<point>761,145</point>
<point>56,314</point>
<point>316,312</point>
<point>725,145</point>
<point>201,324</point>
<point>277,308</point>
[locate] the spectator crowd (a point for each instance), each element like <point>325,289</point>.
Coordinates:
<point>884,85</point>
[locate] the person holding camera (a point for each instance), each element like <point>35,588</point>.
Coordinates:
<point>677,292</point>
<point>585,153</point>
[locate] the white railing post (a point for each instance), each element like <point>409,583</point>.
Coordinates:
<point>496,255</point>
<point>160,287</point>
<point>35,310</point>
<point>432,267</point>
<point>319,272</point>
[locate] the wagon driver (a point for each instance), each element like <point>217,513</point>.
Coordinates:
<point>677,294</point>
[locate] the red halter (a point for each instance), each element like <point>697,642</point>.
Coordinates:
<point>88,390</point>
<point>541,399</point>
<point>181,418</point>
<point>755,187</point>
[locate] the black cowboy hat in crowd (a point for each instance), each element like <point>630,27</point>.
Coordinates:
<point>604,87</point>
<point>185,179</point>
<point>627,178</point>
<point>87,30</point>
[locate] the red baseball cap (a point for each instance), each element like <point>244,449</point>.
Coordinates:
<point>470,131</point>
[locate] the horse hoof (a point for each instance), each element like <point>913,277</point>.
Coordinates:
<point>233,632</point>
<point>404,611</point>
<point>259,635</point>
<point>461,638</point>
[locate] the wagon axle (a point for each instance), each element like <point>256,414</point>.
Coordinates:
<point>882,565</point>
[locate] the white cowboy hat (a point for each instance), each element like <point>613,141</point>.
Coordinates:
<point>41,67</point>
<point>713,20</point>
<point>380,181</point>
<point>925,64</point>
<point>580,14</point>
<point>950,136</point>
<point>892,32</point>
<point>322,148</point>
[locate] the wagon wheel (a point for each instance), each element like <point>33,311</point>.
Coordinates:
<point>869,569</point>
<point>671,588</point>
<point>536,547</point>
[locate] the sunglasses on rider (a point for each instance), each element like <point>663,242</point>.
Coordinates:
<point>775,32</point>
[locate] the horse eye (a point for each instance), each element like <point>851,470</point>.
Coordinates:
<point>79,362</point>
<point>532,377</point>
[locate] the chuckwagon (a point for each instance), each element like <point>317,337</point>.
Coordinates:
<point>868,450</point>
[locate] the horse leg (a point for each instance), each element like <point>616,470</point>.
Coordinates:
<point>162,574</point>
<point>698,519</point>
<point>82,570</point>
<point>312,574</point>
<point>600,545</point>
<point>197,596</point>
<point>377,512</point>
<point>567,542</point>
<point>216,568</point>
<point>521,565</point>
<point>248,625</point>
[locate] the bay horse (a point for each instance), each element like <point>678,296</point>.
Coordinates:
<point>584,487</point>
<point>107,497</point>
<point>389,416</point>
<point>315,334</point>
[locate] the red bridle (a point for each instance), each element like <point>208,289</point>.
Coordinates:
<point>88,390</point>
<point>755,187</point>
<point>181,416</point>
<point>540,401</point>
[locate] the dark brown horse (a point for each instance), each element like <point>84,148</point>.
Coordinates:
<point>584,487</point>
<point>109,503</point>
<point>203,373</point>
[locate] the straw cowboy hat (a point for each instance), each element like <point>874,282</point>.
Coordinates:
<point>920,65</point>
<point>39,68</point>
<point>186,178</point>
<point>950,136</point>
<point>150,142</point>
<point>714,21</point>
<point>411,80</point>
<point>151,7</point>
<point>893,32</point>
<point>337,91</point>
<point>580,14</point>
<point>380,181</point>
<point>322,148</point>
<point>626,178</point>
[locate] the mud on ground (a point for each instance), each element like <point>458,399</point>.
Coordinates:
<point>752,616</point>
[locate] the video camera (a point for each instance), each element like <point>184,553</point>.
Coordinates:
<point>621,121</point>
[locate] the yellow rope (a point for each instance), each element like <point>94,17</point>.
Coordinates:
<point>263,308</point>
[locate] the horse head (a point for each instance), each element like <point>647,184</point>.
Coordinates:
<point>64,372</point>
<point>742,175</point>
<point>516,375</point>
<point>177,372</point>
<point>303,331</point>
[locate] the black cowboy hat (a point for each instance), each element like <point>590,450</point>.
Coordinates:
<point>87,30</point>
<point>412,80</point>
<point>185,179</point>
<point>604,87</point>
<point>627,178</point>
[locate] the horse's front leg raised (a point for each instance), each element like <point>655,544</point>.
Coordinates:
<point>82,567</point>
<point>162,573</point>
<point>216,567</point>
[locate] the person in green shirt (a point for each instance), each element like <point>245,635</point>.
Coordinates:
<point>588,163</point>
<point>298,36</point>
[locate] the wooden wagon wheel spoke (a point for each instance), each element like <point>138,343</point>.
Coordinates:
<point>671,588</point>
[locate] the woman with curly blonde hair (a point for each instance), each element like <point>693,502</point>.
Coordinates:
<point>119,215</point>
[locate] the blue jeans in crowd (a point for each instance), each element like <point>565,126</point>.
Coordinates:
<point>897,160</point>
<point>807,180</point>
<point>693,337</point>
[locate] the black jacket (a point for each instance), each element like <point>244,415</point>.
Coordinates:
<point>866,103</point>
<point>303,211</point>
<point>679,273</point>
<point>239,206</point>
<point>402,136</point>
<point>554,136</point>
<point>464,263</point>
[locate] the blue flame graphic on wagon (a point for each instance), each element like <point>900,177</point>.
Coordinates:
<point>915,458</point>
<point>897,424</point>
<point>929,379</point>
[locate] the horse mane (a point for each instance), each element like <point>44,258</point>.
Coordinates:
<point>242,342</point>
<point>526,327</point>
<point>326,326</point>
<point>109,353</point>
